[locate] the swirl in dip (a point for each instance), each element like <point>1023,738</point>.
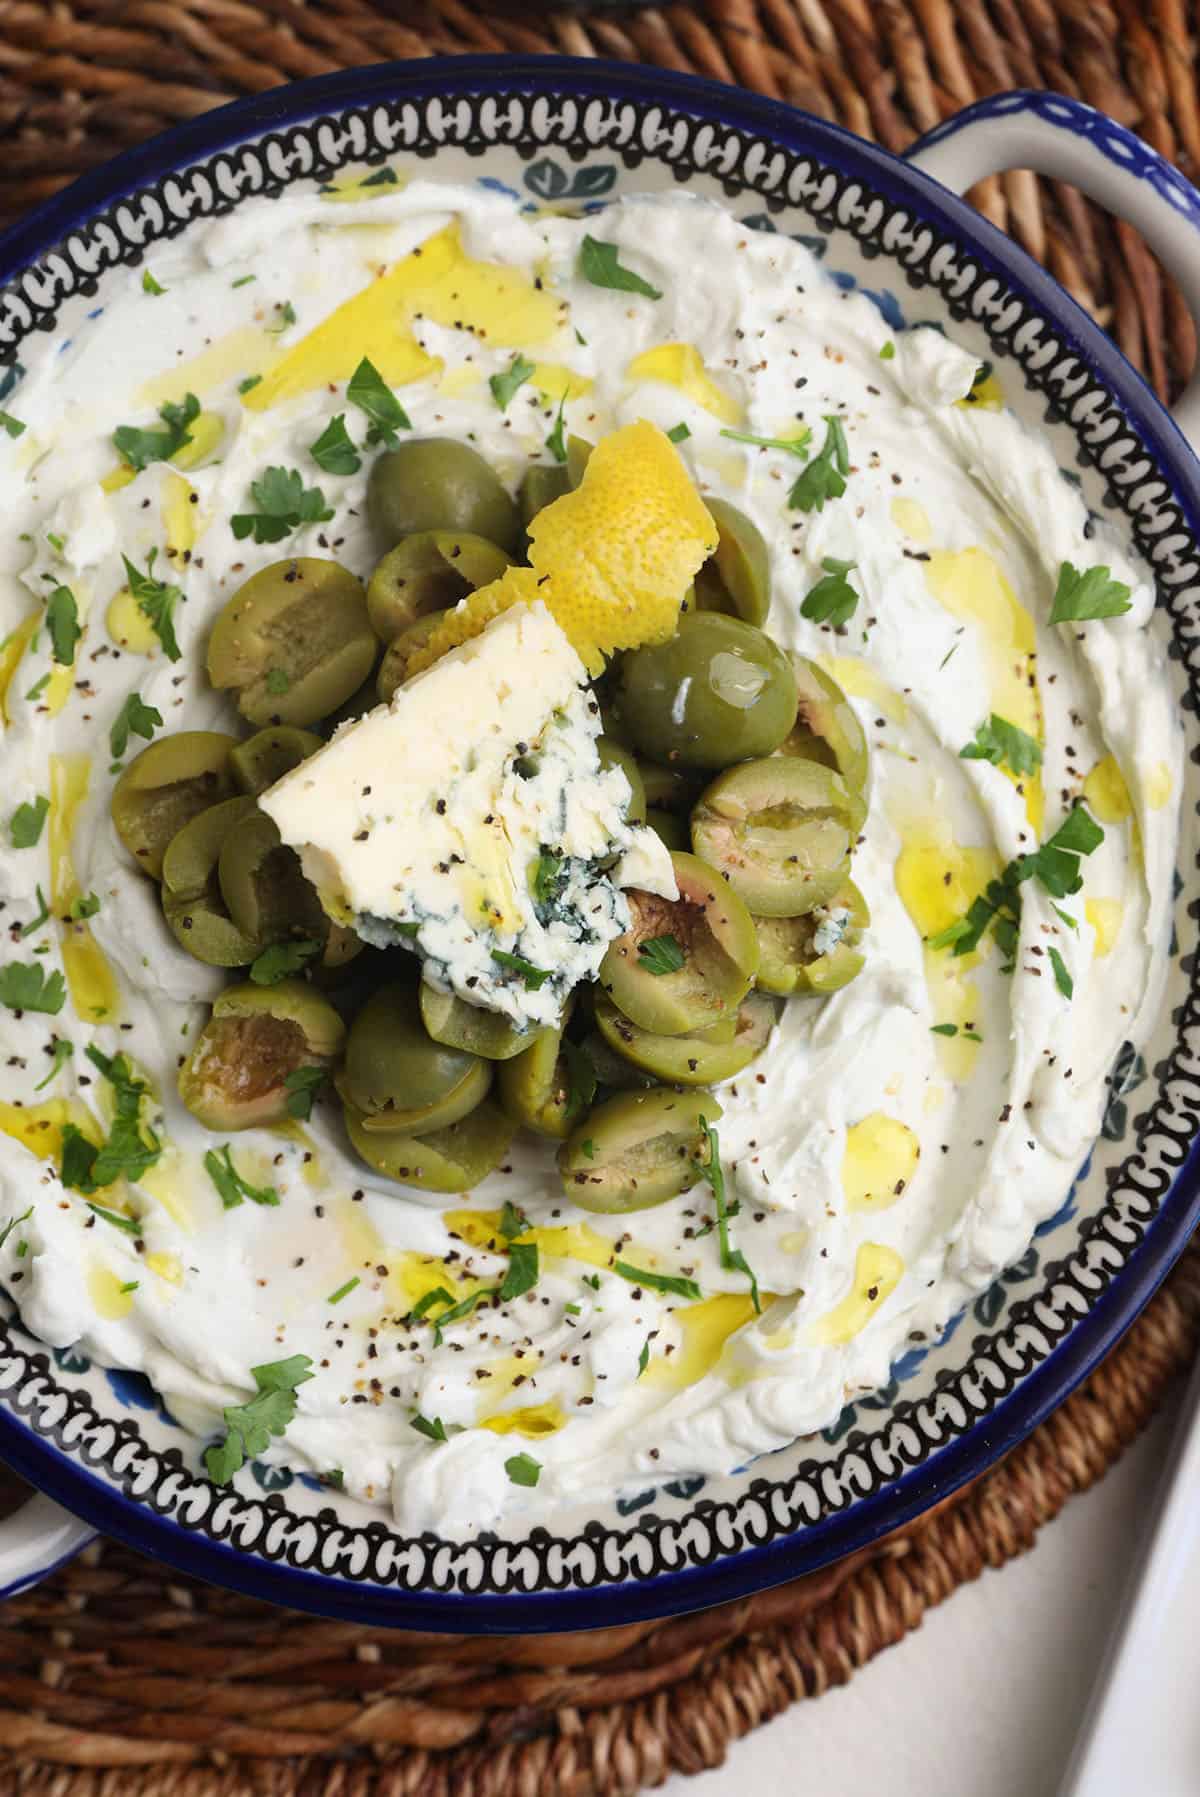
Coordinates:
<point>896,1143</point>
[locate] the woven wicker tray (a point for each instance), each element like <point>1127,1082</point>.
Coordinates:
<point>123,1680</point>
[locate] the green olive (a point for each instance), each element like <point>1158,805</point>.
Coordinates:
<point>780,831</point>
<point>542,484</point>
<point>235,1076</point>
<point>446,1160</point>
<point>364,698</point>
<point>827,727</point>
<point>191,887</point>
<point>293,642</point>
<point>393,669</point>
<point>614,754</point>
<point>669,788</point>
<point>434,483</point>
<point>611,1069</point>
<point>789,960</point>
<point>397,1077</point>
<point>719,691</point>
<point>702,1059</point>
<point>579,454</point>
<point>669,829</point>
<point>427,573</point>
<point>264,891</point>
<point>637,1150</point>
<point>535,1088</point>
<point>710,927</point>
<point>168,783</point>
<point>737,578</point>
<point>270,754</point>
<point>451,1021</point>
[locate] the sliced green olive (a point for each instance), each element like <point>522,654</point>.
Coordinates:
<point>669,788</point>
<point>737,578</point>
<point>719,691</point>
<point>669,829</point>
<point>702,1059</point>
<point>579,454</point>
<point>236,1074</point>
<point>293,642</point>
<point>364,698</point>
<point>166,785</point>
<point>397,1077</point>
<point>709,926</point>
<point>542,484</point>
<point>827,727</point>
<point>637,1150</point>
<point>613,1069</point>
<point>446,1160</point>
<point>393,669</point>
<point>535,1088</point>
<point>817,952</point>
<point>435,483</point>
<point>451,1021</point>
<point>780,831</point>
<point>264,891</point>
<point>270,754</point>
<point>614,754</point>
<point>427,573</point>
<point>191,889</point>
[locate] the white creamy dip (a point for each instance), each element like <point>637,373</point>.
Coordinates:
<point>885,1171</point>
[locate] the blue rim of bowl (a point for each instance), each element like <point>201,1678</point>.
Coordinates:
<point>1040,1391</point>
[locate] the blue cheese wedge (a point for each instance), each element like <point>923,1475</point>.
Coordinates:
<point>470,820</point>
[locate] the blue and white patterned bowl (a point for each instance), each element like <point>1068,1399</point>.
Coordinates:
<point>100,1443</point>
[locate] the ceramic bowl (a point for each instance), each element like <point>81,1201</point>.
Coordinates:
<point>566,133</point>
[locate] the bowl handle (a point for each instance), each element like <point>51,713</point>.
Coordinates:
<point>35,1540</point>
<point>1064,138</point>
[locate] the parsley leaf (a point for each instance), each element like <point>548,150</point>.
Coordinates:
<point>504,385</point>
<point>149,284</point>
<point>432,1427</point>
<point>25,986</point>
<point>825,476</point>
<point>599,263</point>
<point>156,600</point>
<point>280,959</point>
<point>460,1310</point>
<point>1092,593</point>
<point>284,504</point>
<point>35,923</point>
<point>62,621</point>
<point>343,1291</point>
<point>334,451</point>
<point>888,351</point>
<point>130,1149</point>
<point>382,177</point>
<point>128,1225</point>
<point>12,425</point>
<point>250,381</point>
<point>678,433</point>
<point>63,1050</point>
<point>249,1427</point>
<point>731,1258</point>
<point>25,824</point>
<point>797,445</point>
<point>943,1029</point>
<point>659,1282</point>
<point>302,1086</point>
<point>138,448</point>
<point>135,718</point>
<point>368,390</point>
<point>644,1357</point>
<point>1055,866</point>
<point>660,954</point>
<point>523,1469</point>
<point>218,1164</point>
<point>556,442</point>
<point>833,599</point>
<point>439,1295</point>
<point>82,908</point>
<point>513,1222</point>
<point>13,1223</point>
<point>1003,744</point>
<point>521,1274</point>
<point>287,317</point>
<point>1062,978</point>
<point>534,977</point>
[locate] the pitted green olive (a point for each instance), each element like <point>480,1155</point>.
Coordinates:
<point>535,1088</point>
<point>364,698</point>
<point>393,669</point>
<point>579,454</point>
<point>270,754</point>
<point>614,754</point>
<point>542,484</point>
<point>669,788</point>
<point>737,579</point>
<point>427,573</point>
<point>293,642</point>
<point>669,829</point>
<point>236,1074</point>
<point>446,1160</point>
<point>827,728</point>
<point>780,831</point>
<point>685,963</point>
<point>191,888</point>
<point>637,1150</point>
<point>435,483</point>
<point>703,1059</point>
<point>719,691</point>
<point>613,1070</point>
<point>818,952</point>
<point>168,783</point>
<point>397,1077</point>
<point>264,891</point>
<point>456,1024</point>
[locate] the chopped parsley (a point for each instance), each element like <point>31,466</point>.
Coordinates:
<point>302,1086</point>
<point>287,318</point>
<point>833,599</point>
<point>458,1311</point>
<point>439,1295</point>
<point>556,442</point>
<point>523,1469</point>
<point>951,1029</point>
<point>243,280</point>
<point>589,1148</point>
<point>797,445</point>
<point>658,1282</point>
<point>534,977</point>
<point>284,504</point>
<point>334,451</point>
<point>343,1291</point>
<point>13,1223</point>
<point>281,959</point>
<point>573,1310</point>
<point>368,390</point>
<point>678,433</point>
<point>732,1259</point>
<point>432,1427</point>
<point>231,1186</point>
<point>62,621</point>
<point>85,907</point>
<point>135,718</point>
<point>825,476</point>
<point>35,923</point>
<point>26,986</point>
<point>131,1147</point>
<point>644,1357</point>
<point>1004,745</point>
<point>1062,978</point>
<point>156,600</point>
<point>600,264</point>
<point>592,1279</point>
<point>660,954</point>
<point>127,1225</point>
<point>149,284</point>
<point>513,1222</point>
<point>138,448</point>
<point>249,1427</point>
<point>1090,593</point>
<point>11,425</point>
<point>888,351</point>
<point>382,177</point>
<point>248,384</point>
<point>25,824</point>
<point>38,688</point>
<point>63,1050</point>
<point>521,1274</point>
<point>504,385</point>
<point>130,1285</point>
